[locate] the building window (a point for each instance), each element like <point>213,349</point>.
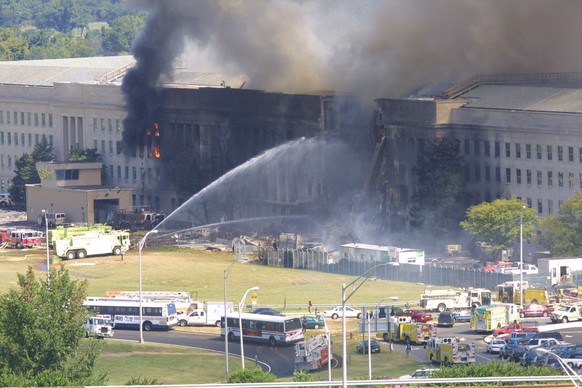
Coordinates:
<point>477,172</point>
<point>50,117</point>
<point>15,138</point>
<point>507,150</point>
<point>51,140</point>
<point>498,149</point>
<point>8,120</point>
<point>126,173</point>
<point>467,147</point>
<point>518,176</point>
<point>95,124</point>
<point>550,206</point>
<point>487,173</point>
<point>2,122</point>
<point>561,179</point>
<point>2,137</point>
<point>580,154</point>
<point>30,139</point>
<point>15,118</point>
<point>560,153</point>
<point>118,125</point>
<point>529,202</point>
<point>95,145</point>
<point>518,151</point>
<point>36,139</point>
<point>528,151</point>
<point>508,175</point>
<point>498,174</point>
<point>528,176</point>
<point>570,154</point>
<point>43,119</point>
<point>29,119</point>
<point>102,125</point>
<point>134,173</point>
<point>9,139</point>
<point>549,151</point>
<point>110,147</point>
<point>581,180</point>
<point>67,175</point>
<point>22,139</point>
<point>119,172</point>
<point>21,118</point>
<point>102,146</point>
<point>538,152</point>
<point>110,125</point>
<point>477,148</point>
<point>486,148</point>
<point>540,207</point>
<point>550,179</point>
<point>571,180</point>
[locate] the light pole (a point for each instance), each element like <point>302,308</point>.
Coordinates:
<point>362,279</point>
<point>368,318</point>
<point>240,307</point>
<point>140,247</point>
<point>567,368</point>
<point>521,257</point>
<point>329,353</point>
<point>46,237</point>
<point>226,272</point>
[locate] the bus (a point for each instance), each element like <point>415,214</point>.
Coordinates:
<point>125,313</point>
<point>259,327</point>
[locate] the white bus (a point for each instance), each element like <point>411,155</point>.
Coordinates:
<point>259,327</point>
<point>125,313</point>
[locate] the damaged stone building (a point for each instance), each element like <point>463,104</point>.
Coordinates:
<point>206,125</point>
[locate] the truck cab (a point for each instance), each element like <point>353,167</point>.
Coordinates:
<point>99,327</point>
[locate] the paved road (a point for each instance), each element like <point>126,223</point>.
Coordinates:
<point>278,360</point>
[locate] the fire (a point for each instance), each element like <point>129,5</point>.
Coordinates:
<point>157,151</point>
<point>152,140</point>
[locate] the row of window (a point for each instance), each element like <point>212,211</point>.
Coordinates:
<point>523,151</point>
<point>562,179</point>
<point>15,138</point>
<point>26,118</point>
<point>110,125</point>
<point>122,173</point>
<point>126,310</point>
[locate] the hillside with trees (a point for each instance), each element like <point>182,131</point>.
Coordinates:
<point>41,29</point>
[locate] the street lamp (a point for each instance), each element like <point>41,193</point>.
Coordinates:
<point>140,247</point>
<point>240,306</point>
<point>329,353</point>
<point>362,279</point>
<point>521,257</point>
<point>368,318</point>
<point>226,272</point>
<point>567,368</point>
<point>46,237</point>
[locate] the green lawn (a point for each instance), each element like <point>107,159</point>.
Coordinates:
<point>202,273</point>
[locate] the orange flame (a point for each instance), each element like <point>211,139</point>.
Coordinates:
<point>157,151</point>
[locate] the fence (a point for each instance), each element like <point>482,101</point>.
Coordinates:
<point>433,274</point>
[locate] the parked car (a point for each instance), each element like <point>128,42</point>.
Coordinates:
<point>446,319</point>
<point>363,347</point>
<point>462,316</point>
<point>310,322</point>
<point>549,334</point>
<point>424,373</point>
<point>267,311</point>
<point>535,310</point>
<point>337,312</point>
<point>418,315</point>
<point>495,346</point>
<point>394,311</point>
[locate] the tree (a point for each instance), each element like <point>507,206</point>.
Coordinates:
<point>251,375</point>
<point>562,234</point>
<point>26,172</point>
<point>440,201</point>
<point>40,332</point>
<point>119,38</point>
<point>497,223</point>
<point>84,155</point>
<point>493,368</point>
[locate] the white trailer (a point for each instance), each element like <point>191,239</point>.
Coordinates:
<point>560,268</point>
<point>92,243</point>
<point>210,314</point>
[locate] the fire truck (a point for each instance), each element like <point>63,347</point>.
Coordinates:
<point>92,243</point>
<point>442,300</point>
<point>136,219</point>
<point>22,238</point>
<point>312,354</point>
<point>100,326</point>
<point>449,350</point>
<point>419,333</point>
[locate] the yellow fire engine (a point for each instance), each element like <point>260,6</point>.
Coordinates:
<point>417,332</point>
<point>449,350</point>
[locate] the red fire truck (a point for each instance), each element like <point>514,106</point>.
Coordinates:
<point>24,238</point>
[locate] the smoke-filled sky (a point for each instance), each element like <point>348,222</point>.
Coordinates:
<point>379,48</point>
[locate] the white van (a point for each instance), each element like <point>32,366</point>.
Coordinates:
<point>53,219</point>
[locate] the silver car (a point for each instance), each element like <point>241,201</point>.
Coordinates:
<point>495,346</point>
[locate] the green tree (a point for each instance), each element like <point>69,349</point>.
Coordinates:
<point>84,155</point>
<point>562,234</point>
<point>40,333</point>
<point>498,223</point>
<point>440,200</point>
<point>13,47</point>
<point>26,172</point>
<point>119,38</point>
<point>493,368</point>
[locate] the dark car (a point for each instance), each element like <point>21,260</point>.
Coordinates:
<point>446,319</point>
<point>418,315</point>
<point>549,334</point>
<point>267,311</point>
<point>310,322</point>
<point>394,311</point>
<point>535,310</point>
<point>363,347</point>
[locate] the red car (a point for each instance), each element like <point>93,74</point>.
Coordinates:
<point>535,310</point>
<point>418,315</point>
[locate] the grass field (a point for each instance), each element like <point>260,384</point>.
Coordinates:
<point>202,274</point>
